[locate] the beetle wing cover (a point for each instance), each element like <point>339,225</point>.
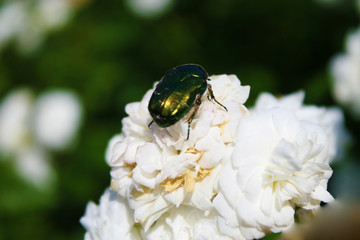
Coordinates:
<point>174,96</point>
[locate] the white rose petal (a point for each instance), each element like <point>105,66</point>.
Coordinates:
<point>112,219</point>
<point>331,119</point>
<point>186,223</point>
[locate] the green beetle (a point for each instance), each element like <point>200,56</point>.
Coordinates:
<point>179,90</point>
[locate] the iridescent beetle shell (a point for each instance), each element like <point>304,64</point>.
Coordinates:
<point>179,90</point>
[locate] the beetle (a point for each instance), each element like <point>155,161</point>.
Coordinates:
<point>178,91</point>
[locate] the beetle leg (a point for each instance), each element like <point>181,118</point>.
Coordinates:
<point>197,105</point>
<point>212,97</point>
<point>150,123</point>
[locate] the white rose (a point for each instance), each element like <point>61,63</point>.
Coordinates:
<point>240,175</point>
<point>156,169</point>
<point>279,162</point>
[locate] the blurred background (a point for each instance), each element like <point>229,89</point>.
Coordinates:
<point>69,67</point>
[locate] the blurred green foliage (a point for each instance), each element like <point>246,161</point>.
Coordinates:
<point>110,57</point>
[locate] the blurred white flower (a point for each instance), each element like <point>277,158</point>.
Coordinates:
<point>53,12</point>
<point>149,8</point>
<point>346,74</point>
<point>328,2</point>
<point>334,2</point>
<point>57,116</point>
<point>331,119</point>
<point>12,18</point>
<point>279,161</point>
<point>27,22</point>
<point>15,112</point>
<point>112,219</point>
<point>29,129</point>
<point>42,17</point>
<point>32,163</point>
<point>156,169</point>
